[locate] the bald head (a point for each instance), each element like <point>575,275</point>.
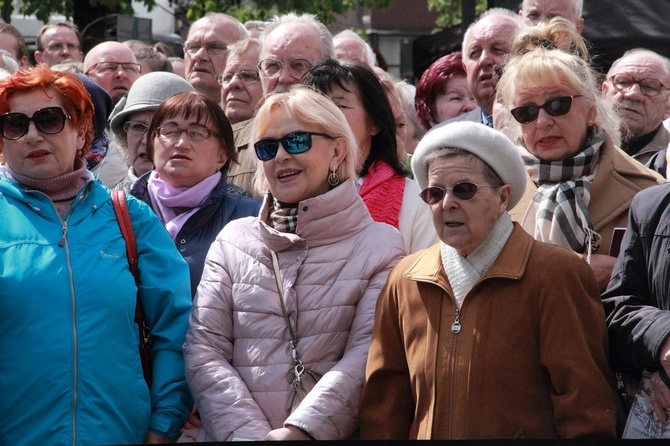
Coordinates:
<point>113,66</point>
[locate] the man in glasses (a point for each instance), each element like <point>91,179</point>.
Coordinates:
<point>114,67</point>
<point>206,51</point>
<point>638,85</point>
<point>290,44</point>
<point>58,42</point>
<point>241,89</point>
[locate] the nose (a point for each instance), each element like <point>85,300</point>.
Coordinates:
<point>282,155</point>
<point>544,119</point>
<point>286,78</point>
<point>201,53</point>
<point>33,134</point>
<point>469,104</point>
<point>486,58</point>
<point>634,90</point>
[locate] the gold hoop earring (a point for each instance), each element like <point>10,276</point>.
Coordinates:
<point>333,179</point>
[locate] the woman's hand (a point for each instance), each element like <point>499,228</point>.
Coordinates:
<point>602,266</point>
<point>193,420</point>
<point>287,433</point>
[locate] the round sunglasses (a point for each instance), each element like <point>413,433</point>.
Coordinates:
<point>294,143</point>
<point>554,107</point>
<point>50,120</point>
<point>464,190</point>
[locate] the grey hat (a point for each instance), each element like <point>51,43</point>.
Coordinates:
<point>493,147</point>
<point>147,93</point>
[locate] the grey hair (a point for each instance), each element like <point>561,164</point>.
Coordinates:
<point>327,48</point>
<point>664,61</point>
<point>370,55</point>
<point>9,64</point>
<point>490,13</point>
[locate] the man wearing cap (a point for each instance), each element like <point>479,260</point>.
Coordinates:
<point>472,338</point>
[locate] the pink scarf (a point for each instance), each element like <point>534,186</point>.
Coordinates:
<point>382,192</point>
<point>174,205</point>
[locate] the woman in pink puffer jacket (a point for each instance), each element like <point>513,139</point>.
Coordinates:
<point>333,260</point>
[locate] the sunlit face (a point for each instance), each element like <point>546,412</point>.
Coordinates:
<point>640,113</point>
<point>554,138</point>
<point>455,101</point>
<point>137,144</point>
<point>59,44</point>
<point>294,178</point>
<point>465,224</point>
<point>361,124</point>
<point>536,11</point>
<point>115,82</point>
<point>348,48</point>
<point>286,43</point>
<point>185,163</point>
<point>485,54</point>
<point>202,67</point>
<point>37,154</point>
<point>239,97</point>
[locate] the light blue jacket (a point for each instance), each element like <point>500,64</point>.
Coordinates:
<point>70,371</point>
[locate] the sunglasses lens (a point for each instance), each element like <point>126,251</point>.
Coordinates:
<point>526,113</point>
<point>432,195</point>
<point>266,149</point>
<point>299,142</point>
<point>465,191</point>
<point>14,125</point>
<point>558,106</point>
<point>49,120</point>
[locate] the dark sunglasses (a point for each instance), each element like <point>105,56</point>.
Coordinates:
<point>294,143</point>
<point>50,120</point>
<point>463,191</point>
<point>553,107</point>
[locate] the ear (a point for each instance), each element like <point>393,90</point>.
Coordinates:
<point>339,152</point>
<point>592,114</point>
<point>373,127</point>
<point>81,138</point>
<point>223,159</point>
<point>580,25</point>
<point>38,56</point>
<point>504,192</point>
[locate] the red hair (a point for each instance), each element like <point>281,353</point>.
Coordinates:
<point>433,83</point>
<point>76,100</point>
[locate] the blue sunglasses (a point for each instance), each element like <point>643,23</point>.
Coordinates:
<point>294,143</point>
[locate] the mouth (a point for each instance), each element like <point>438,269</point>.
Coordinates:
<point>179,157</point>
<point>287,174</point>
<point>38,155</point>
<point>547,140</point>
<point>453,224</point>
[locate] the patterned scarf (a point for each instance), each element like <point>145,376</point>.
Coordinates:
<point>284,217</point>
<point>382,193</point>
<point>97,151</point>
<point>559,211</point>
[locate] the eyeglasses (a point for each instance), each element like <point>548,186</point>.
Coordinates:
<point>463,191</point>
<point>50,120</point>
<point>135,128</point>
<point>294,143</point>
<point>649,86</point>
<point>113,67</point>
<point>553,107</point>
<point>270,68</point>
<point>195,133</point>
<point>248,77</point>
<point>211,48</point>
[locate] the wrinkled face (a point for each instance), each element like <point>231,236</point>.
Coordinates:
<point>241,89</point>
<point>347,48</point>
<point>137,143</point>
<point>640,113</point>
<point>361,124</point>
<point>455,101</point>
<point>485,54</point>
<point>465,224</point>
<point>203,65</point>
<point>536,11</point>
<point>182,162</point>
<point>296,177</point>
<point>59,44</point>
<point>287,44</point>
<point>114,67</point>
<point>37,154</point>
<point>554,138</point>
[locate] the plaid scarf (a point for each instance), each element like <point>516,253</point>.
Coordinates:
<point>284,218</point>
<point>559,211</point>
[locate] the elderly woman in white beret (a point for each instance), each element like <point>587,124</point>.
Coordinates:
<point>489,333</point>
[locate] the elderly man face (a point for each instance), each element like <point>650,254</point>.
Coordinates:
<point>113,66</point>
<point>634,86</point>
<point>205,52</point>
<point>348,48</point>
<point>536,11</point>
<point>58,45</point>
<point>240,85</point>
<point>287,53</point>
<point>485,52</point>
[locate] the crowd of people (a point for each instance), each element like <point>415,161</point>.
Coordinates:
<point>321,251</point>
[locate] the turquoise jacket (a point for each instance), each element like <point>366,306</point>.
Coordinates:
<point>70,371</point>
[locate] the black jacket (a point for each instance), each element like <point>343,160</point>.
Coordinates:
<point>227,202</point>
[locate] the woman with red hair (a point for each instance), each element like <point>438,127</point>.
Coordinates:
<point>71,371</point>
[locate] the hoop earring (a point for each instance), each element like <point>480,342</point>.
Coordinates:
<point>333,179</point>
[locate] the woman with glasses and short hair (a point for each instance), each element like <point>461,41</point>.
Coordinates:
<point>71,371</point>
<point>305,273</point>
<point>190,143</point>
<point>473,338</point>
<point>582,183</point>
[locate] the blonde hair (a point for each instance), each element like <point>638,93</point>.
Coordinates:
<point>552,53</point>
<point>307,107</point>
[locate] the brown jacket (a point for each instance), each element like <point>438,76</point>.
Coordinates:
<point>618,178</point>
<point>529,362</point>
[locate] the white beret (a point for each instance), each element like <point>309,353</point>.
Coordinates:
<point>491,146</point>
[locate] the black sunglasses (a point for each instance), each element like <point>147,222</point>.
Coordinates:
<point>294,143</point>
<point>463,191</point>
<point>553,107</point>
<point>50,120</point>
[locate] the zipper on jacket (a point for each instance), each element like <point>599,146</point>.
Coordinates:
<point>456,326</point>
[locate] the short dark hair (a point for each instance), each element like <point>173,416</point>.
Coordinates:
<point>45,28</point>
<point>156,60</point>
<point>329,73</point>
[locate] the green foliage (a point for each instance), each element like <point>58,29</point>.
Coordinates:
<point>450,11</point>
